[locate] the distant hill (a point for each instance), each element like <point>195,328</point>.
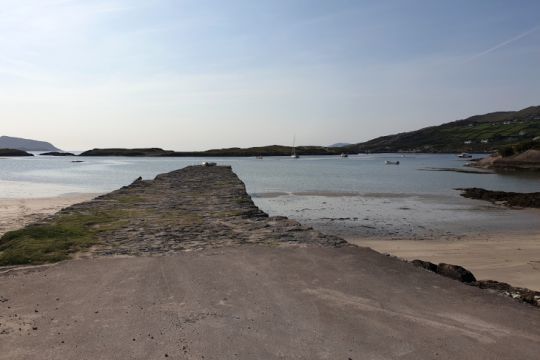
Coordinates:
<point>25,144</point>
<point>477,133</point>
<point>339,145</point>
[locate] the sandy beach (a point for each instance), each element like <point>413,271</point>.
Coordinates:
<point>17,213</point>
<point>513,258</point>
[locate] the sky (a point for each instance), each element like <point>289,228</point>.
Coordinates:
<point>193,75</point>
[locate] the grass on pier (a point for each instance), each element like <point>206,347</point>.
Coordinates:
<point>55,241</point>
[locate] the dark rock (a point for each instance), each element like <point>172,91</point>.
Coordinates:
<point>425,264</point>
<point>455,272</point>
<point>531,200</point>
<point>14,152</point>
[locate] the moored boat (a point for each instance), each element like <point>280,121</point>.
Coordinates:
<point>294,155</point>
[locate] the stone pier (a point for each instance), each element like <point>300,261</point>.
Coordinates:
<point>194,208</point>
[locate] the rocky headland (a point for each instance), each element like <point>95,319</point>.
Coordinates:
<point>526,161</point>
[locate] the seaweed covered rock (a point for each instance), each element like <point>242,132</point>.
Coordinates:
<point>531,200</point>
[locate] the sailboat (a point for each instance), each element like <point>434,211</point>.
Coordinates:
<point>294,155</point>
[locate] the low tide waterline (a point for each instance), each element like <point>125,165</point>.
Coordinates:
<point>359,195</point>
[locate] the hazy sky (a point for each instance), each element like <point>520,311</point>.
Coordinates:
<point>199,74</point>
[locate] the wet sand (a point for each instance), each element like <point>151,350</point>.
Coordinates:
<point>513,258</point>
<point>17,213</point>
<point>492,241</point>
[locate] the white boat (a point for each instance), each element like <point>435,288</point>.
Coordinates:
<point>388,162</point>
<point>343,155</point>
<point>259,157</point>
<point>294,155</point>
<point>464,156</point>
<point>207,163</point>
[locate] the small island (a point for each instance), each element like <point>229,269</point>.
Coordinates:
<point>14,152</point>
<point>271,150</point>
<point>57,153</point>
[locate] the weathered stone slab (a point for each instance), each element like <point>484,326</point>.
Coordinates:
<point>191,209</point>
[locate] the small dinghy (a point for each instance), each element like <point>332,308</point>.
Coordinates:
<point>388,162</point>
<point>206,163</point>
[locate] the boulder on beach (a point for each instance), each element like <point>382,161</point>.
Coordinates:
<point>455,272</point>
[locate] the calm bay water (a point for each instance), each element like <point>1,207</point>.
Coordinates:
<point>359,194</point>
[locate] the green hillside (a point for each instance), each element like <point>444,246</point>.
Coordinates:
<point>479,133</point>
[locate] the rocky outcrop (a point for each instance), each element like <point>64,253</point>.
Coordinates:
<point>425,264</point>
<point>14,152</point>
<point>459,273</point>
<point>455,272</point>
<point>531,200</point>
<point>526,161</point>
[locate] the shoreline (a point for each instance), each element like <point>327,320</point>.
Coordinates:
<point>510,257</point>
